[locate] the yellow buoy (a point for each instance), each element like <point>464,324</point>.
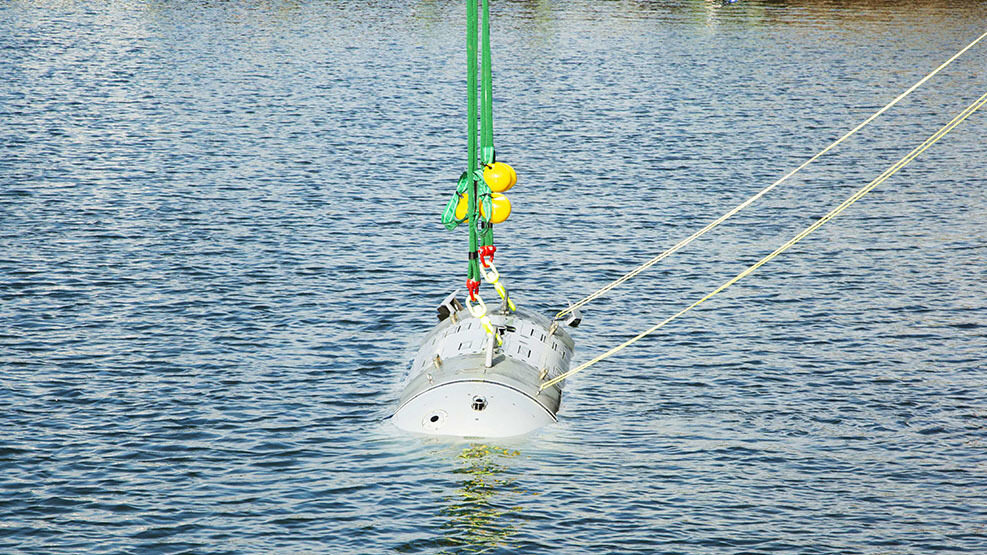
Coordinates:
<point>501,208</point>
<point>462,206</point>
<point>499,177</point>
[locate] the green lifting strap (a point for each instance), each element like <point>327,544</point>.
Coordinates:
<point>487,151</point>
<point>487,146</point>
<point>471,101</point>
<point>471,181</point>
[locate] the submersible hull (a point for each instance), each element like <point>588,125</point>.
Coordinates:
<point>463,384</point>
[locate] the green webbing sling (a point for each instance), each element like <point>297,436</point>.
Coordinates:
<point>487,150</point>
<point>471,181</point>
<point>472,212</point>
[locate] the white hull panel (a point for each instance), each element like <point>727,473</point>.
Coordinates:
<point>448,409</point>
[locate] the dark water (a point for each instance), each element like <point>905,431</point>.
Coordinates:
<point>220,242</point>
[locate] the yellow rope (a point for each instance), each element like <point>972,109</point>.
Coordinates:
<point>832,214</point>
<point>681,244</point>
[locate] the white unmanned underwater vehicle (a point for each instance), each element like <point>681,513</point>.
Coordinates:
<point>462,383</point>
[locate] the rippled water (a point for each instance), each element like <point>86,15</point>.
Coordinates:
<point>220,242</point>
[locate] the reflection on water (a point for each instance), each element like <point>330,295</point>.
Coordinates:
<point>480,515</point>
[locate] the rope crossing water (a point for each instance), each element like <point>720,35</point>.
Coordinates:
<point>681,244</point>
<point>804,233</point>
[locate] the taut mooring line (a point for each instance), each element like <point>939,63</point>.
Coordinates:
<point>681,244</point>
<point>805,232</point>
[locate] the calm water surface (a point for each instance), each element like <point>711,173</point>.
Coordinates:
<point>220,243</point>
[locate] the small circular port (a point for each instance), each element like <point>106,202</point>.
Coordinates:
<point>479,403</point>
<point>434,420</point>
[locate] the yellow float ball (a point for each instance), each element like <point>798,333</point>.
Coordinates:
<point>462,207</point>
<point>501,208</point>
<point>499,176</point>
